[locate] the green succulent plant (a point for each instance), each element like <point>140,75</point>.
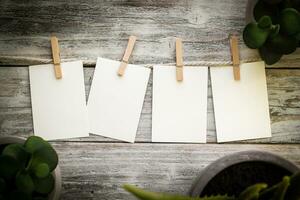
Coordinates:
<point>276,30</point>
<point>26,170</point>
<point>287,189</point>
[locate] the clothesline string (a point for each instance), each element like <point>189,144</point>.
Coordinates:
<point>205,63</point>
<point>188,63</point>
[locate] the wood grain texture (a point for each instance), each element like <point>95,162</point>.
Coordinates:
<point>283,89</point>
<point>98,170</point>
<point>96,167</point>
<point>87,29</point>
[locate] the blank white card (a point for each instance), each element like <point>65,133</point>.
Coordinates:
<point>241,107</point>
<point>179,109</point>
<point>58,105</point>
<point>115,102</point>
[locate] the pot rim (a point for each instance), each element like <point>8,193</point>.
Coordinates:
<point>209,172</point>
<point>55,194</point>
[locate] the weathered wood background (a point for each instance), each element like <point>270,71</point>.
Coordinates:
<point>95,167</point>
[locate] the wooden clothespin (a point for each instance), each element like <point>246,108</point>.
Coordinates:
<point>56,57</point>
<point>234,46</point>
<point>126,56</point>
<point>179,60</point>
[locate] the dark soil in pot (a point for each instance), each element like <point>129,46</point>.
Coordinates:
<point>236,178</point>
<point>233,173</point>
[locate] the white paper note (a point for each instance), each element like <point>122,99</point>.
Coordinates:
<point>241,107</point>
<point>179,109</point>
<point>115,102</point>
<point>58,105</point>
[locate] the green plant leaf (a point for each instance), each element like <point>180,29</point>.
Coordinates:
<point>282,44</point>
<point>279,194</point>
<point>290,21</point>
<point>34,143</point>
<point>254,37</point>
<point>24,182</point>
<point>44,185</point>
<point>264,22</point>
<point>46,155</point>
<point>252,192</point>
<point>293,191</point>
<point>269,56</point>
<point>218,197</point>
<point>41,170</point>
<point>42,152</point>
<point>18,152</point>
<point>274,30</point>
<point>145,195</point>
<point>268,193</point>
<point>8,167</point>
<point>2,185</point>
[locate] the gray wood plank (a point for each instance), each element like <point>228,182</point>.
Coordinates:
<point>97,170</point>
<point>283,89</point>
<point>88,29</point>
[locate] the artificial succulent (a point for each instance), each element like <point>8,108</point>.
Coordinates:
<point>26,170</point>
<point>276,29</point>
<point>287,189</point>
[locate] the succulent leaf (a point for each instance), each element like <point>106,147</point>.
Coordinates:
<point>24,182</point>
<point>290,21</point>
<point>8,167</point>
<point>274,30</point>
<point>44,185</point>
<point>145,195</point>
<point>45,155</point>
<point>254,37</point>
<point>282,44</point>
<point>34,143</point>
<point>279,194</point>
<point>268,193</point>
<point>218,197</point>
<point>270,57</point>
<point>41,170</point>
<point>264,22</point>
<point>42,152</point>
<point>18,152</point>
<point>252,192</point>
<point>293,191</point>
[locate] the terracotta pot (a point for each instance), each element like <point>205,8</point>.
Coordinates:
<point>248,159</point>
<point>55,194</point>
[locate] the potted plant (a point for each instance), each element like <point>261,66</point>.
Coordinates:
<point>273,28</point>
<point>249,175</point>
<point>28,169</point>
